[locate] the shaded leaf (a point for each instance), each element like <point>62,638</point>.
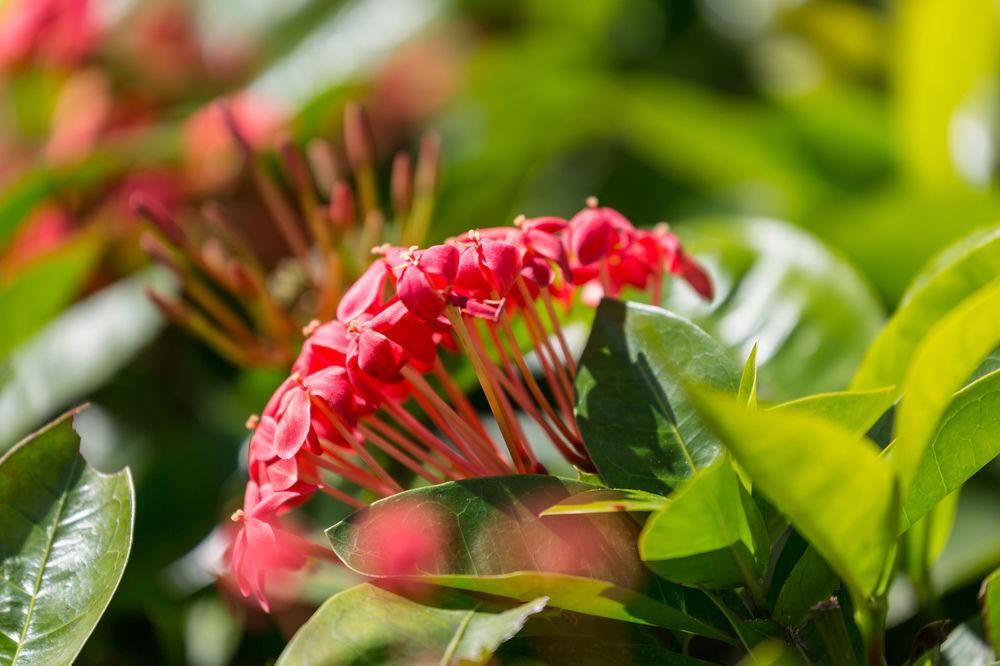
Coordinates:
<point>709,535</point>
<point>636,422</point>
<point>832,485</point>
<point>371,625</point>
<point>810,312</point>
<point>604,500</point>
<point>485,535</point>
<point>65,535</point>
<point>989,597</point>
<point>809,582</point>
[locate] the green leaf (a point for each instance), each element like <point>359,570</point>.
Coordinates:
<point>41,289</point>
<point>923,542</point>
<point>370,625</point>
<point>485,535</point>
<point>809,582</point>
<point>809,310</point>
<point>943,283</point>
<point>832,485</point>
<point>747,391</point>
<point>967,439</point>
<point>635,420</point>
<point>940,366</point>
<point>989,597</point>
<point>857,411</point>
<point>75,354</point>
<point>65,536</point>
<point>605,500</point>
<point>710,535</point>
<point>772,653</point>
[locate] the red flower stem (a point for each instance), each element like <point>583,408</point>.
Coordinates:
<point>348,470</point>
<point>525,452</point>
<point>554,319</point>
<point>398,455</point>
<point>605,275</point>
<point>358,446</point>
<point>479,364</point>
<point>657,291</point>
<point>401,439</point>
<point>529,378</point>
<point>375,431</point>
<point>474,448</point>
<point>418,428</point>
<point>308,546</point>
<point>340,495</point>
<point>457,397</point>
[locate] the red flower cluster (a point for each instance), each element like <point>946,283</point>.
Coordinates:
<point>361,378</point>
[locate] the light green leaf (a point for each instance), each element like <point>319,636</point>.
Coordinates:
<point>967,439</point>
<point>940,366</point>
<point>809,310</point>
<point>636,422</point>
<point>710,535</point>
<point>65,535</point>
<point>485,535</point>
<point>942,284</point>
<point>923,542</point>
<point>75,354</point>
<point>748,380</point>
<point>38,291</point>
<point>989,597</point>
<point>605,500</point>
<point>370,625</point>
<point>856,411</point>
<point>832,485</point>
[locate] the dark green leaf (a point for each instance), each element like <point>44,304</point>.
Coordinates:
<point>948,279</point>
<point>485,535</point>
<point>370,625</point>
<point>832,485</point>
<point>810,312</point>
<point>989,597</point>
<point>605,500</point>
<point>65,535</point>
<point>636,422</point>
<point>809,582</point>
<point>710,534</point>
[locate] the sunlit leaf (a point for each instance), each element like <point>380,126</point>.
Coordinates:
<point>636,422</point>
<point>606,500</point>
<point>369,624</point>
<point>833,486</point>
<point>65,535</point>
<point>710,535</point>
<point>855,410</point>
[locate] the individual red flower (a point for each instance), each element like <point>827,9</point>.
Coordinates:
<point>423,278</point>
<point>59,32</point>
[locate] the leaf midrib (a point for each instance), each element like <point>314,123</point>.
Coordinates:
<point>45,561</point>
<point>456,640</point>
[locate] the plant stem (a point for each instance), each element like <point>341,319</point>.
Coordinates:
<point>829,621</point>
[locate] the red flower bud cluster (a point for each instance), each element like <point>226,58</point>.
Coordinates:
<point>370,390</point>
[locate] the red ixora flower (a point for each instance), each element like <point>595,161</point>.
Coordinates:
<point>372,385</point>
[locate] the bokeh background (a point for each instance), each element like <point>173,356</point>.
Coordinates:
<point>871,125</point>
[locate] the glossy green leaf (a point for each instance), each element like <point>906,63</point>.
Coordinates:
<point>989,597</point>
<point>941,285</point>
<point>371,625</point>
<point>832,485</point>
<point>636,422</point>
<point>857,411</point>
<point>75,354</point>
<point>606,500</point>
<point>810,312</point>
<point>710,535</point>
<point>486,535</point>
<point>940,366</point>
<point>65,535</point>
<point>37,292</point>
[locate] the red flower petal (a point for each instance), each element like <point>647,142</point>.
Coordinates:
<point>418,295</point>
<point>293,427</point>
<point>379,356</point>
<point>364,293</point>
